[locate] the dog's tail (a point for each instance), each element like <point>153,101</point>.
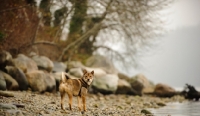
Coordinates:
<point>64,77</point>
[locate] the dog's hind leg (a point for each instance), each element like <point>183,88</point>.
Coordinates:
<point>62,94</point>
<point>70,101</point>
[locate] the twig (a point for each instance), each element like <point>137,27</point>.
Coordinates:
<point>6,10</point>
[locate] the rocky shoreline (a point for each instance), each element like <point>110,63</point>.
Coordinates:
<point>27,103</point>
<point>29,87</point>
<point>41,74</point>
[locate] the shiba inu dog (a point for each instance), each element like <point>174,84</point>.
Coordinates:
<point>75,87</point>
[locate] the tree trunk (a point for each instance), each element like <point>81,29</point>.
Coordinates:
<point>76,25</point>
<point>45,8</point>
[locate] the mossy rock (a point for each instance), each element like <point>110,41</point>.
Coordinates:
<point>144,111</point>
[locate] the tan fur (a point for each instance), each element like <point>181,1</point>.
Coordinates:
<point>75,87</point>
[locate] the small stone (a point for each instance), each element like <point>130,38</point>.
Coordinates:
<point>120,107</point>
<point>13,112</point>
<point>19,105</point>
<point>53,102</point>
<point>7,106</point>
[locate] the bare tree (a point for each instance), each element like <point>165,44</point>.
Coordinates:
<point>118,29</point>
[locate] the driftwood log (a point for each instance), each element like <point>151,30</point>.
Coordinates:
<point>6,94</point>
<point>191,93</point>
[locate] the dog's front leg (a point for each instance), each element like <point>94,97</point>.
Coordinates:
<point>79,103</point>
<point>83,96</point>
<point>84,105</point>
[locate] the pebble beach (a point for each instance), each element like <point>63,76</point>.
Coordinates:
<point>48,104</point>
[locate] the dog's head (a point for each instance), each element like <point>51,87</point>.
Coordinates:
<point>88,76</point>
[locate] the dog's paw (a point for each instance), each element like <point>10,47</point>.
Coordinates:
<point>82,112</point>
<point>85,110</point>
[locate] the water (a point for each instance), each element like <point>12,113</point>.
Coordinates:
<point>190,108</point>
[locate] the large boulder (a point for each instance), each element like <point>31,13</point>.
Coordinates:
<point>57,76</point>
<point>137,86</point>
<point>41,81</point>
<point>50,83</point>
<point>2,82</point>
<point>25,63</point>
<point>124,87</point>
<point>123,76</point>
<point>77,72</point>
<point>98,72</point>
<point>98,61</point>
<point>148,85</point>
<point>36,80</point>
<point>19,76</point>
<point>75,68</point>
<point>11,84</point>
<point>106,84</point>
<point>59,67</point>
<point>74,64</point>
<point>163,90</point>
<point>5,59</point>
<point>43,63</point>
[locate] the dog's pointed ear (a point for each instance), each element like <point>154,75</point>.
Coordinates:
<point>66,76</point>
<point>84,71</point>
<point>92,72</point>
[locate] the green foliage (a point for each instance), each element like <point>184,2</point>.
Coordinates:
<point>83,50</point>
<point>96,19</point>
<point>2,36</point>
<point>31,2</point>
<point>45,8</point>
<point>45,5</point>
<point>79,17</point>
<point>59,14</point>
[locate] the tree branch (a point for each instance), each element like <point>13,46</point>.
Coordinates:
<point>81,39</point>
<point>47,43</point>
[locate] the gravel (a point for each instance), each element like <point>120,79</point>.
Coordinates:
<point>48,104</point>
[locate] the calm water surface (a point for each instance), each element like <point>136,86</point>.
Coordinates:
<point>190,108</point>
